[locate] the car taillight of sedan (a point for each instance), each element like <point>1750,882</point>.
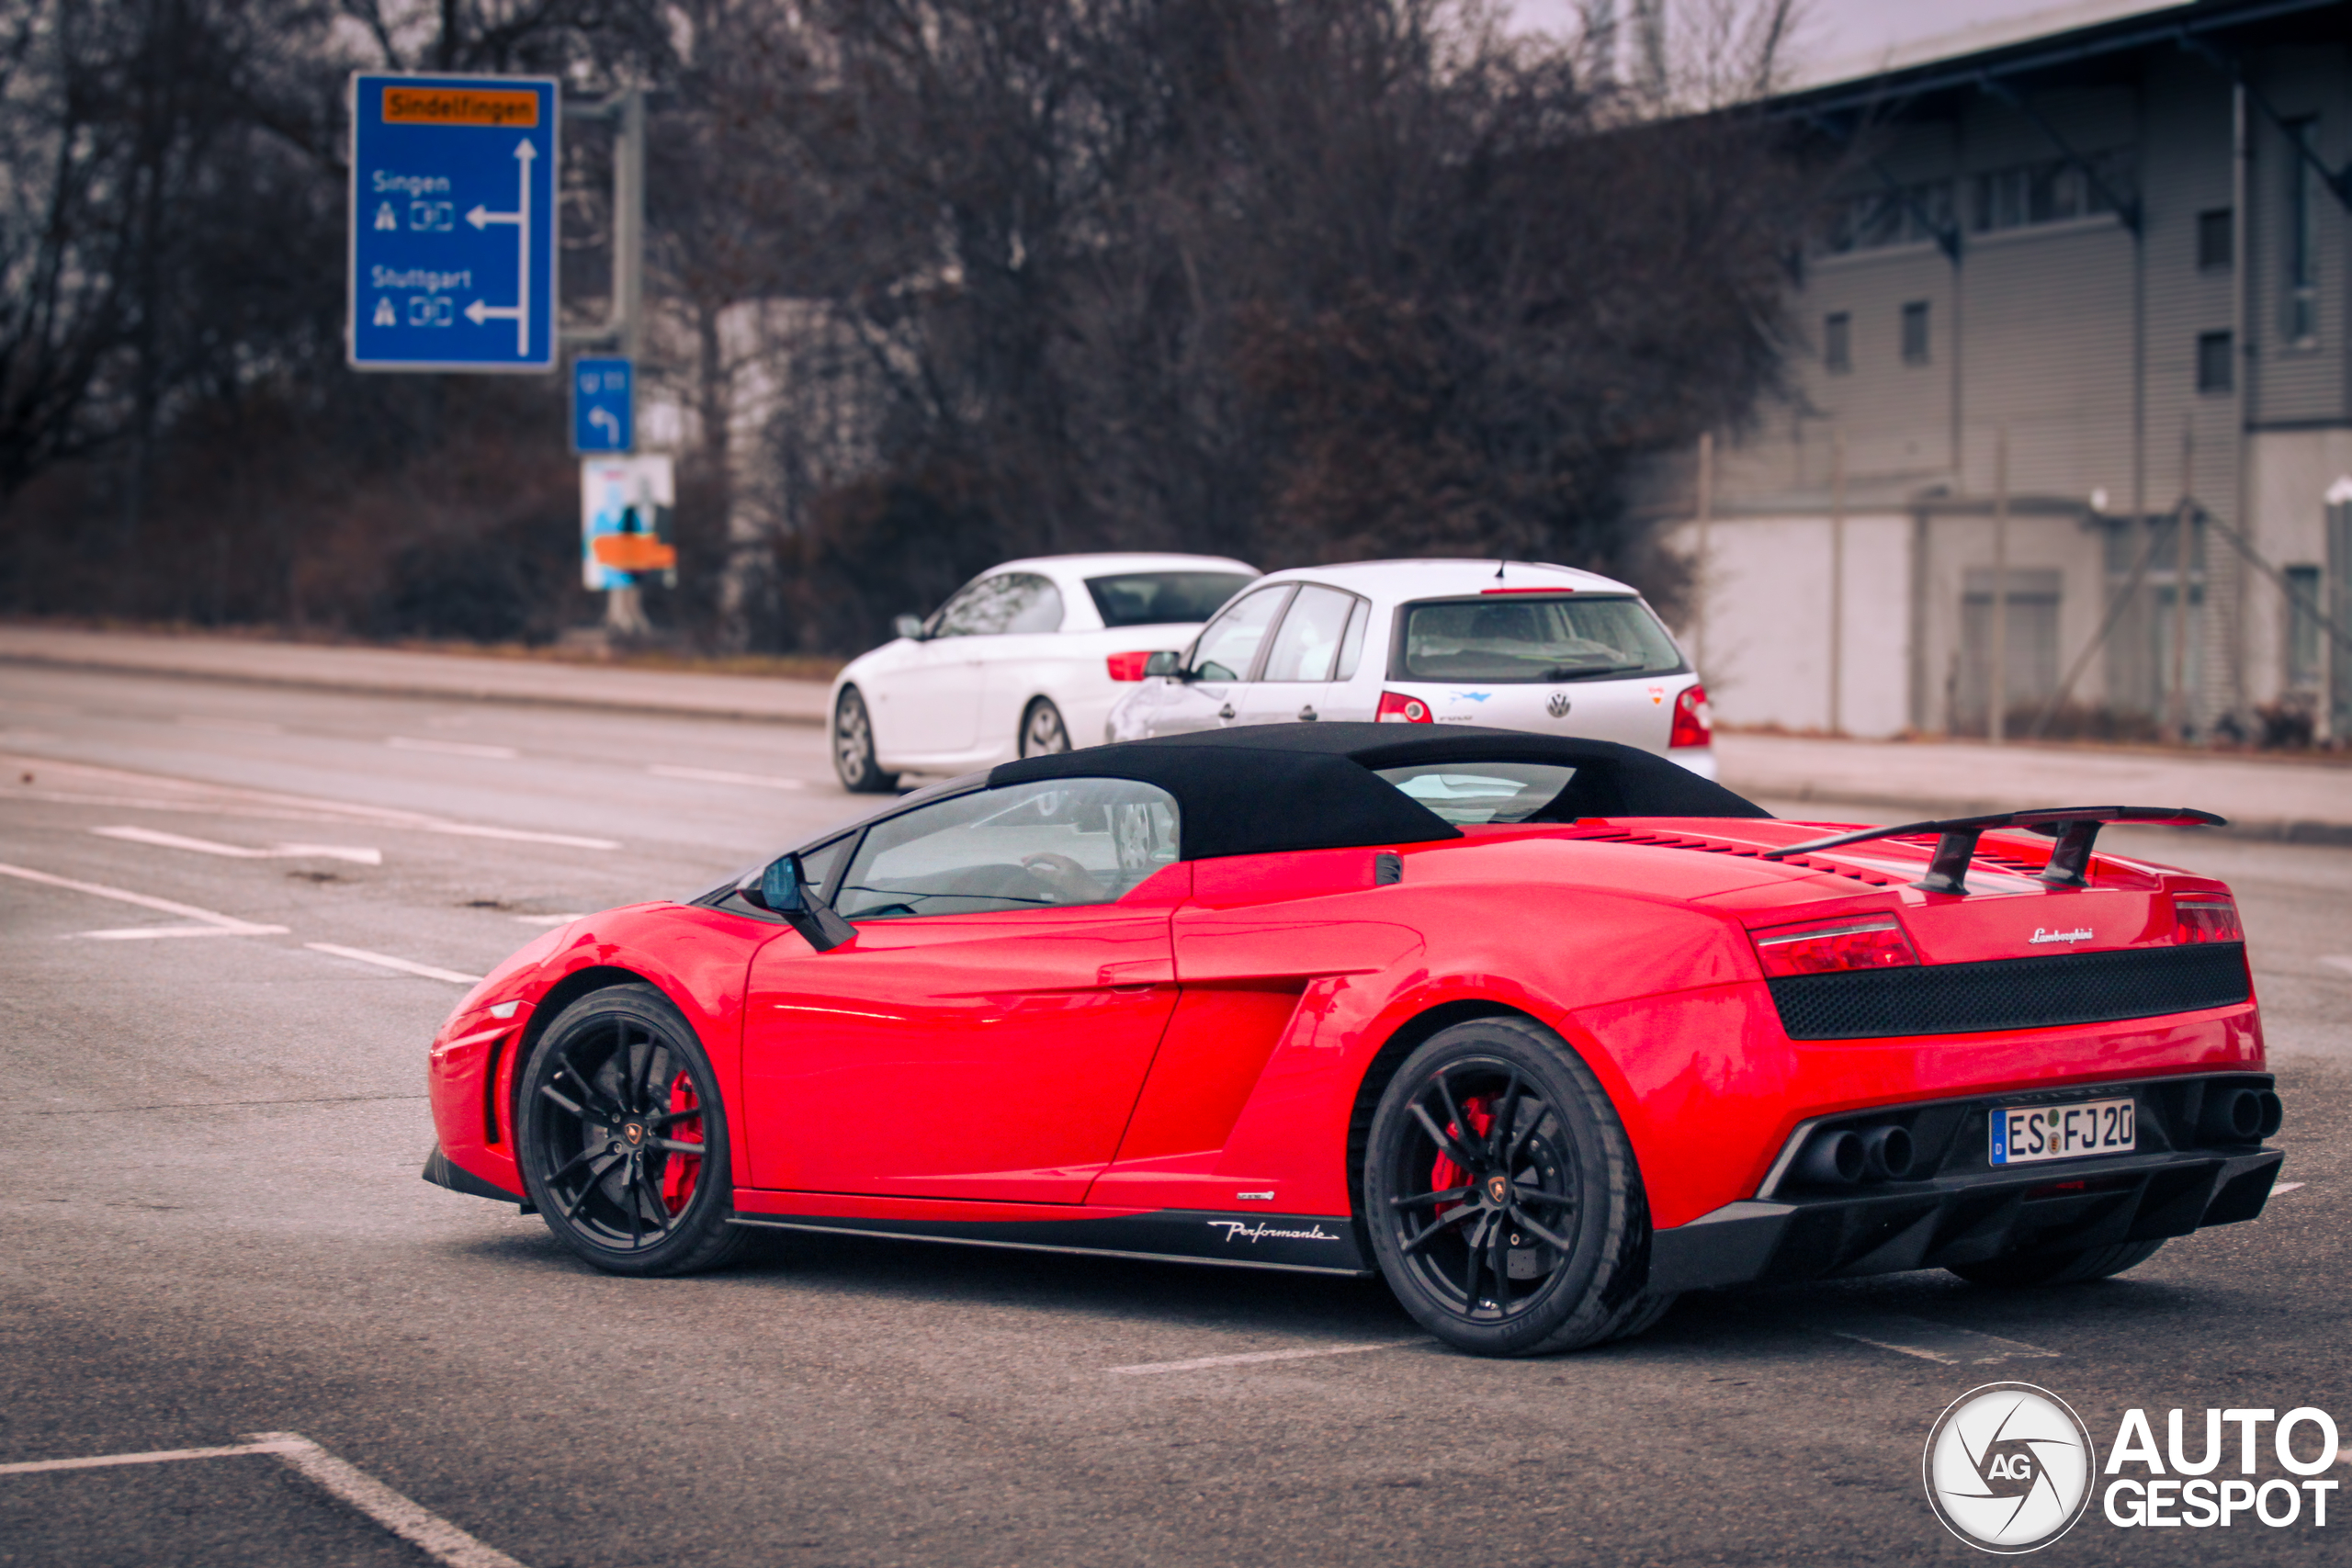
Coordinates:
<point>1694,724</point>
<point>1826,947</point>
<point>1127,666</point>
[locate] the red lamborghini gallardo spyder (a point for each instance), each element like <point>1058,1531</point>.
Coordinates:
<point>1542,1030</point>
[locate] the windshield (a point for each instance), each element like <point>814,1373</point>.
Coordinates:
<point>1472,794</point>
<point>1163,598</point>
<point>1496,638</point>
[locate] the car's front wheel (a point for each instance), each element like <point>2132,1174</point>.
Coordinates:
<point>1505,1206</point>
<point>623,1136</point>
<point>853,760</point>
<point>1041,730</point>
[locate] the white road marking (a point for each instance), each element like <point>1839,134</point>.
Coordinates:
<point>405,1517</point>
<point>385,961</point>
<point>2284,1187</point>
<point>1937,1341</point>
<point>1197,1362</point>
<point>159,1455</point>
<point>352,852</point>
<point>720,775</point>
<point>230,800</point>
<point>2336,962</point>
<point>548,919</point>
<point>209,922</point>
<point>452,748</point>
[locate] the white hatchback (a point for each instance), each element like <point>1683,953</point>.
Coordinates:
<point>1018,660</point>
<point>1514,646</point>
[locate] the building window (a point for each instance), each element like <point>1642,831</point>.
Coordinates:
<point>2303,625</point>
<point>1914,332</point>
<point>1901,215</point>
<point>2302,300</point>
<point>2053,191</point>
<point>1837,342</point>
<point>2213,368</point>
<point>2213,240</point>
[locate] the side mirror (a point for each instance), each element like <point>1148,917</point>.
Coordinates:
<point>908,626</point>
<point>1164,664</point>
<point>780,889</point>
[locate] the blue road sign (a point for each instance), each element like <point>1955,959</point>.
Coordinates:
<point>603,405</point>
<point>452,222</point>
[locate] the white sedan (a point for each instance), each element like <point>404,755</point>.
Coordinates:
<point>1512,646</point>
<point>1020,659</point>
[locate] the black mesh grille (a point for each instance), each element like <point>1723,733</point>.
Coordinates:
<point>2011,993</point>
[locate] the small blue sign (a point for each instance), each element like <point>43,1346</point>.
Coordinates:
<point>603,405</point>
<point>453,251</point>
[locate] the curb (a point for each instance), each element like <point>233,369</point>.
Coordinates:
<point>2275,831</point>
<point>424,693</point>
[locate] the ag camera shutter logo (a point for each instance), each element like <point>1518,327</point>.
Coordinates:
<point>2008,1468</point>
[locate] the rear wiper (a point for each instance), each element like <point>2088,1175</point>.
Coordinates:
<point>2074,827</point>
<point>1567,672</point>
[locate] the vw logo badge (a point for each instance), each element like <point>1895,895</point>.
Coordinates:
<point>2009,1468</point>
<point>1558,706</point>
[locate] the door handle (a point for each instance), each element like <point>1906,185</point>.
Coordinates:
<point>1226,711</point>
<point>1306,714</point>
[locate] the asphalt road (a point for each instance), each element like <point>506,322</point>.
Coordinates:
<point>213,1226</point>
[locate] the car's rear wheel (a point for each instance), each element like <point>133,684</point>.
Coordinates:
<point>623,1136</point>
<point>2059,1267</point>
<point>1042,730</point>
<point>853,760</point>
<point>1505,1205</point>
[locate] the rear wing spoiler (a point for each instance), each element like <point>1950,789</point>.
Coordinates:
<point>2074,827</point>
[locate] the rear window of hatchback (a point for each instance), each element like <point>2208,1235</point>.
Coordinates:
<point>1530,638</point>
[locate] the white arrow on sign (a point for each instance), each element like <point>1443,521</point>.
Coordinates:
<point>482,218</point>
<point>605,420</point>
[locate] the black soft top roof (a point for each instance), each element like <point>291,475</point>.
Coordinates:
<point>1264,788</point>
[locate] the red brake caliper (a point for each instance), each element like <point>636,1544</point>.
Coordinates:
<point>679,1171</point>
<point>1445,1174</point>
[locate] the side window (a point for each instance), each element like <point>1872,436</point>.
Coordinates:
<point>1034,846</point>
<point>1008,601</point>
<point>1313,633</point>
<point>1228,644</point>
<point>821,868</point>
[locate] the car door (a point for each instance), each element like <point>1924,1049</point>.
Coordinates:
<point>1219,664</point>
<point>931,709</point>
<point>985,1033</point>
<point>1020,659</point>
<point>1310,661</point>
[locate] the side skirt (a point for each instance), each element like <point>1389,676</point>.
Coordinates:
<point>1299,1244</point>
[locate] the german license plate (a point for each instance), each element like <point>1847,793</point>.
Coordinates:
<point>2027,1135</point>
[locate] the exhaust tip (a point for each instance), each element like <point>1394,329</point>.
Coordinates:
<point>1888,1153</point>
<point>1834,1159</point>
<point>2274,1113</point>
<point>2233,1116</point>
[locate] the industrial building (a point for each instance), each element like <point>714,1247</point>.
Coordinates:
<point>2072,383</point>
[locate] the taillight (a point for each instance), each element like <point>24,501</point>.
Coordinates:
<point>1824,948</point>
<point>2206,919</point>
<point>1127,666</point>
<point>1693,725</point>
<point>1396,707</point>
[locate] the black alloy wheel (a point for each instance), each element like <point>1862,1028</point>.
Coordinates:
<point>1042,730</point>
<point>1502,1196</point>
<point>853,760</point>
<point>623,1136</point>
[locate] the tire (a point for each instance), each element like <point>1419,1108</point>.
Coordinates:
<point>853,762</point>
<point>1572,1220</point>
<point>1041,730</point>
<point>2058,1268</point>
<point>609,1154</point>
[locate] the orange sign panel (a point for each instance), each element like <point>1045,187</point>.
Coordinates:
<point>460,105</point>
